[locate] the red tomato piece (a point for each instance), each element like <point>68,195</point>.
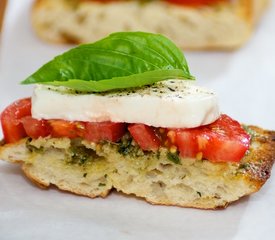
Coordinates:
<point>63,128</point>
<point>222,141</point>
<point>145,137</point>
<point>104,131</point>
<point>186,140</point>
<point>194,3</point>
<point>227,141</point>
<point>36,128</point>
<point>12,127</point>
<point>105,1</point>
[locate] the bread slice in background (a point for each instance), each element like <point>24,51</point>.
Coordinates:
<point>192,183</point>
<point>226,25</point>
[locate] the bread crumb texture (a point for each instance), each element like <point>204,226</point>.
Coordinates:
<point>93,170</point>
<point>226,25</point>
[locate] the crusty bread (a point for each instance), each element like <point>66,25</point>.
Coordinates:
<point>226,25</point>
<point>94,169</point>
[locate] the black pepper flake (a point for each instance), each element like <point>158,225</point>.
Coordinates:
<point>171,89</point>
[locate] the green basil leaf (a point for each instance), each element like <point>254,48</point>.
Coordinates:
<point>174,157</point>
<point>121,60</point>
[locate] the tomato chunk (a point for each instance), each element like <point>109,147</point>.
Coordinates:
<point>227,142</point>
<point>222,141</point>
<point>104,131</point>
<point>63,128</point>
<point>187,142</point>
<point>181,2</point>
<point>12,126</point>
<point>145,137</point>
<point>36,128</point>
<point>195,2</point>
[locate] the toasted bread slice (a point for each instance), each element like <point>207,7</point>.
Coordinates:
<point>226,25</point>
<point>94,169</point>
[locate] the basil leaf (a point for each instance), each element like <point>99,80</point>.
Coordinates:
<point>174,157</point>
<point>121,60</point>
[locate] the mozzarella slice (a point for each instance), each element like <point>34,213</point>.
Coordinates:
<point>169,104</point>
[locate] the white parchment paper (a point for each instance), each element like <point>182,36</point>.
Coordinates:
<point>245,83</point>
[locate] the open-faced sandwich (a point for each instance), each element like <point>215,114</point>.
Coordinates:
<point>123,113</point>
<point>193,24</point>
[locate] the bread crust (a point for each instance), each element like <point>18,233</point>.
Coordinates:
<point>227,25</point>
<point>261,160</point>
<point>153,178</point>
<point>45,184</point>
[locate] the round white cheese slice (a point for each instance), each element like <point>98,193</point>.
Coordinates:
<point>167,104</point>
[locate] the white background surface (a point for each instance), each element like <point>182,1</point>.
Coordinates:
<point>245,83</point>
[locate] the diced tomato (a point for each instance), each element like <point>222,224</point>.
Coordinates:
<point>63,128</point>
<point>145,137</point>
<point>12,127</point>
<point>195,3</point>
<point>108,131</point>
<point>36,128</point>
<point>186,140</point>
<point>227,142</point>
<point>104,1</point>
<point>180,2</point>
<point>222,141</point>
